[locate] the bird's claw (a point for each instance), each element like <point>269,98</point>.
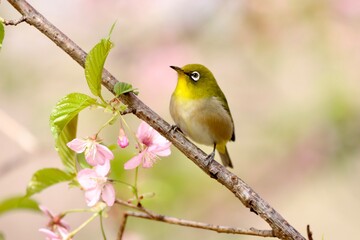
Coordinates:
<point>209,158</point>
<point>173,128</point>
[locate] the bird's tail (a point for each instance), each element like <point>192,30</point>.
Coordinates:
<point>224,155</point>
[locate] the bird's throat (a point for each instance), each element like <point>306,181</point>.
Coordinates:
<point>186,90</point>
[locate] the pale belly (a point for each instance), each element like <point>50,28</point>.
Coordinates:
<point>204,121</point>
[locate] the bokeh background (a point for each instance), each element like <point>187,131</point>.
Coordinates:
<point>289,69</point>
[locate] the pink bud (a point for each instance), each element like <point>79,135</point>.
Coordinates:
<point>122,141</point>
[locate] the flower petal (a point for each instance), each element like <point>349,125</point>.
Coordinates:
<point>64,225</point>
<point>92,196</point>
<point>134,162</point>
<point>108,194</point>
<point>91,154</point>
<point>63,232</point>
<point>161,150</point>
<point>164,153</point>
<point>142,129</point>
<point>149,160</point>
<point>46,211</point>
<point>87,178</point>
<point>77,145</point>
<point>50,234</point>
<point>103,154</point>
<point>145,133</point>
<point>103,170</point>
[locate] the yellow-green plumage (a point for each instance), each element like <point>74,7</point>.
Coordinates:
<point>199,108</point>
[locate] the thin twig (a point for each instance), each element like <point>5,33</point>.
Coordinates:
<point>133,206</point>
<point>15,22</point>
<point>122,226</point>
<point>147,214</point>
<point>200,225</point>
<point>281,228</point>
<point>309,233</point>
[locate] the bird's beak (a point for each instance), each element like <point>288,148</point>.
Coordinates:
<point>177,69</point>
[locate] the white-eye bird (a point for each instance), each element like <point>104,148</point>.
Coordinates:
<point>200,110</point>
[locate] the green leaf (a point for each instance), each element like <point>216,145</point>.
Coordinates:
<point>45,178</point>
<point>2,33</point>
<point>123,87</point>
<point>82,161</point>
<point>94,65</point>
<point>17,203</point>
<point>66,109</point>
<point>67,156</point>
<point>63,122</point>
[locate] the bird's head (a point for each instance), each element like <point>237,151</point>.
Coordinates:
<point>195,81</point>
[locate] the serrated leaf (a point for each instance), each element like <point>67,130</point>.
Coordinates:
<point>45,178</point>
<point>2,33</point>
<point>123,87</point>
<point>66,109</point>
<point>18,203</point>
<point>67,156</point>
<point>63,122</point>
<point>94,65</point>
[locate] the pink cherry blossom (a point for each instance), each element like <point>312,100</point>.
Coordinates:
<point>59,233</point>
<point>96,185</point>
<point>54,220</point>
<point>95,153</point>
<point>153,145</point>
<point>122,141</point>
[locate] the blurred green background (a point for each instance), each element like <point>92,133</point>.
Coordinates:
<point>289,69</point>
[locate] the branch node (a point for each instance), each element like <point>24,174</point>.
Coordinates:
<point>213,170</point>
<point>234,180</point>
<point>127,111</point>
<point>250,205</point>
<point>15,22</point>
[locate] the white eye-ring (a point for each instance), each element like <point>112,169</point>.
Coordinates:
<point>195,76</point>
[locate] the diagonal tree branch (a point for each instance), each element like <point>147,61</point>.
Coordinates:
<point>281,228</point>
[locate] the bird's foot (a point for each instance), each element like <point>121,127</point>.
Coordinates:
<point>209,158</point>
<point>173,128</point>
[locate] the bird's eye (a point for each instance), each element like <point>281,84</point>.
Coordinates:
<point>195,76</point>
